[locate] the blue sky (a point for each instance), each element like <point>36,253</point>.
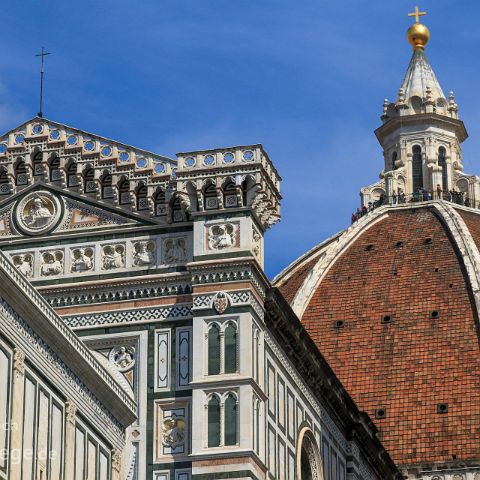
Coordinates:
<point>305,78</point>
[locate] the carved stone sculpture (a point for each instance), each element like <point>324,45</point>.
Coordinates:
<point>113,256</point>
<point>143,254</point>
<point>122,357</point>
<point>24,264</point>
<point>52,263</point>
<point>38,212</point>
<point>173,432</point>
<point>221,236</point>
<point>82,259</point>
<point>175,250</point>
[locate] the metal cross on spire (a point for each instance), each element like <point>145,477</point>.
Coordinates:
<point>417,14</point>
<point>42,71</point>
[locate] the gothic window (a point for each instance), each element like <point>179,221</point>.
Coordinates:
<point>55,173</point>
<point>21,173</point>
<point>37,164</point>
<point>142,201</point>
<point>106,186</point>
<point>4,184</point>
<point>160,203</point>
<point>230,195</point>
<point>442,162</point>
<point>230,349</point>
<point>88,179</point>
<point>124,191</point>
<point>214,350</point>
<point>72,180</point>
<point>394,159</point>
<point>417,168</point>
<point>230,420</point>
<point>211,199</point>
<point>214,422</point>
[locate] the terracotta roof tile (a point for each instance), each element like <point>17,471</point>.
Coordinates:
<point>416,359</point>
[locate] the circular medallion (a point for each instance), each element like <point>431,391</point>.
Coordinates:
<point>37,213</point>
<point>122,357</point>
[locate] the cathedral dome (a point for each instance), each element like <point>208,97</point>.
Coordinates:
<point>392,304</point>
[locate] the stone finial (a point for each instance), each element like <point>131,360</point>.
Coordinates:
<point>401,97</point>
<point>451,101</point>
<point>385,107</point>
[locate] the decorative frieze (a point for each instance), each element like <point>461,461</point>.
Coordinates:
<point>174,312</point>
<point>93,295</point>
<point>221,300</point>
<point>104,257</point>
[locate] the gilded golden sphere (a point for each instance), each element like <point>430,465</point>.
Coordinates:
<point>418,35</point>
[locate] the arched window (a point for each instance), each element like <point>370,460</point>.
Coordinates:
<point>230,349</point>
<point>160,203</point>
<point>124,192</point>
<point>214,422</point>
<point>214,350</point>
<point>72,179</point>
<point>309,464</point>
<point>4,184</point>
<point>210,197</point>
<point>442,162</point>
<point>417,168</point>
<point>37,164</point>
<point>55,173</point>
<point>230,195</point>
<point>88,180</point>
<point>106,185</point>
<point>230,420</point>
<point>142,201</point>
<point>21,173</point>
<point>394,159</point>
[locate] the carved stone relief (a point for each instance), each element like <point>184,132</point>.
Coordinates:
<point>37,212</point>
<point>223,236</point>
<point>122,357</point>
<point>221,301</point>
<point>24,263</point>
<point>174,431</point>
<point>174,250</point>
<point>113,256</point>
<point>82,259</point>
<point>51,263</point>
<point>144,253</point>
<point>256,243</point>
